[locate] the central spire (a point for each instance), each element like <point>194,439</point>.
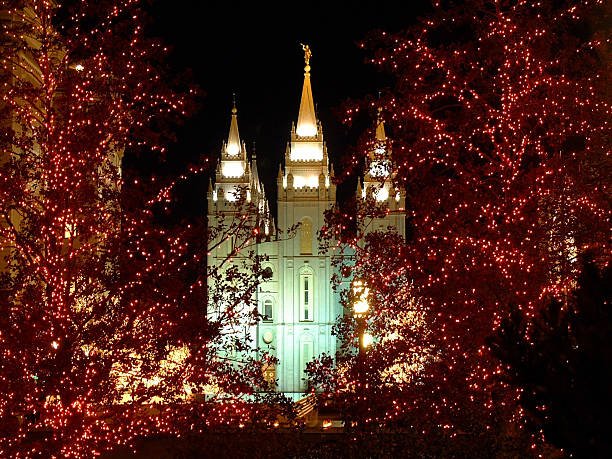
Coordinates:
<point>307,121</point>
<point>233,139</point>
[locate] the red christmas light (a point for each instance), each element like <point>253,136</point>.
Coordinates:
<point>107,333</point>
<point>501,138</point>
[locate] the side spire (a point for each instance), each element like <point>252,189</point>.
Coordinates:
<point>307,121</point>
<point>233,139</point>
<point>380,127</point>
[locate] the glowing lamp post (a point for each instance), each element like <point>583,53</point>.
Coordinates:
<point>360,310</point>
<point>361,307</point>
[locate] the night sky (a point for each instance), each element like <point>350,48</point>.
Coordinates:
<point>254,50</point>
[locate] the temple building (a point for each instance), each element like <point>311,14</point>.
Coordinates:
<point>298,304</point>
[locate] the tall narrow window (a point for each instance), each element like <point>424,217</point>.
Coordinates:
<point>306,296</point>
<point>306,356</point>
<point>267,310</point>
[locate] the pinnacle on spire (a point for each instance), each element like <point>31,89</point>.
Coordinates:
<point>380,127</point>
<point>233,139</point>
<point>307,121</point>
<point>379,164</point>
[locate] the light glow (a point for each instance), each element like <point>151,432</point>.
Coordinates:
<point>306,151</point>
<point>362,292</point>
<point>232,149</point>
<point>382,194</point>
<point>232,169</point>
<point>80,123</point>
<point>306,130</point>
<point>310,181</point>
<point>502,178</point>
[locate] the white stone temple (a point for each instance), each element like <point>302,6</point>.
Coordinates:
<point>298,303</point>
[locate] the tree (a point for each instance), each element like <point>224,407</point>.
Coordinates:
<point>105,331</point>
<point>560,360</point>
<point>499,115</point>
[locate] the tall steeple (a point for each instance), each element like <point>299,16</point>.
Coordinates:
<point>233,155</point>
<point>379,175</point>
<point>379,161</point>
<point>234,173</point>
<point>306,155</point>
<point>306,308</point>
<point>236,177</point>
<point>380,127</point>
<point>307,121</point>
<point>233,146</point>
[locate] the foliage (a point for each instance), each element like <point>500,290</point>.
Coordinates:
<point>105,330</point>
<point>561,360</point>
<point>499,119</point>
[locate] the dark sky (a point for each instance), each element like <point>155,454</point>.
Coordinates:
<point>254,50</point>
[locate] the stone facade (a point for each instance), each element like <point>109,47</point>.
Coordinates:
<point>298,303</point>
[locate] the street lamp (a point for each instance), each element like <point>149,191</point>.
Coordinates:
<point>361,307</point>
<point>366,339</point>
<point>360,310</point>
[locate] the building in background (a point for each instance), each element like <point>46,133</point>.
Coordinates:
<point>298,304</point>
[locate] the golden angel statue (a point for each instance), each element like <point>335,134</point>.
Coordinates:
<point>307,53</point>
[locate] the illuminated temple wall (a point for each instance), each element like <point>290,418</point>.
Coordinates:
<point>298,301</point>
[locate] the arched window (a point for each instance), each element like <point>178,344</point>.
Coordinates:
<point>306,236</point>
<point>267,310</point>
<point>307,295</point>
<point>306,356</point>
